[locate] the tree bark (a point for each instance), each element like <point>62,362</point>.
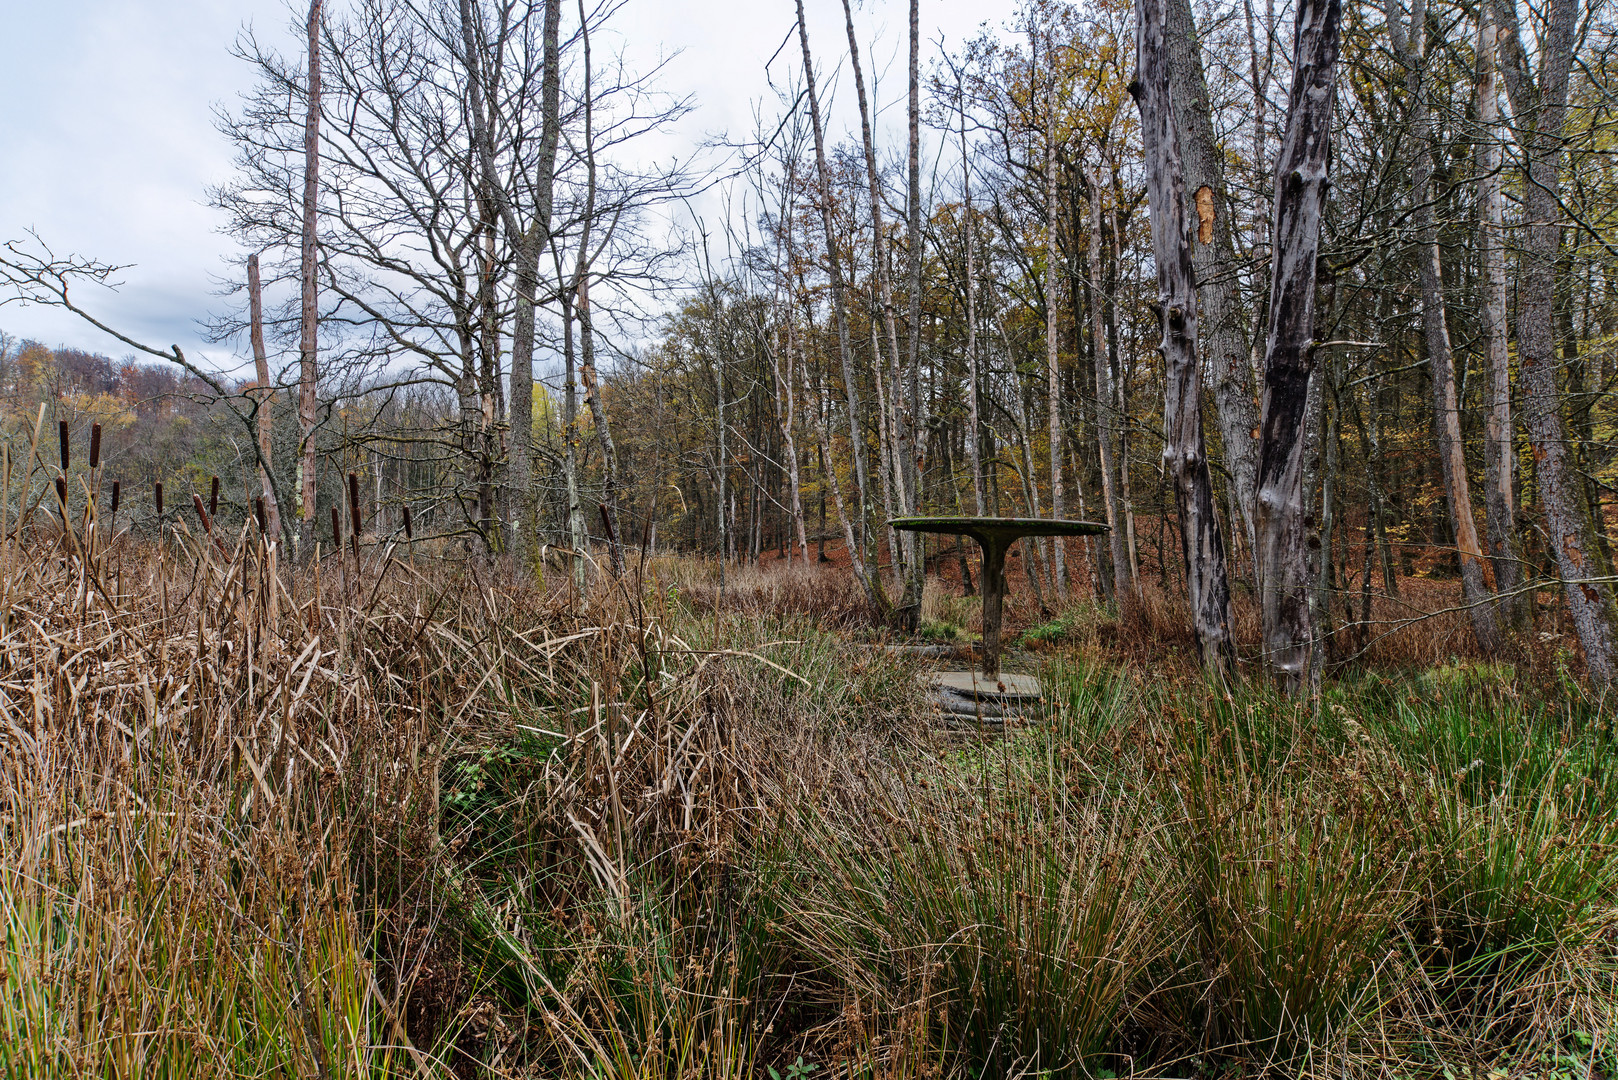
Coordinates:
<point>1302,173</point>
<point>1223,339</point>
<point>915,239</point>
<point>1539,115</point>
<point>786,417</point>
<point>871,582</point>
<point>902,444</point>
<point>1499,498</point>
<point>264,400</point>
<point>1411,50</point>
<point>612,483</point>
<point>598,416</point>
<point>531,242</point>
<point>1106,415</point>
<point>309,298</point>
<point>1184,451</point>
<point>578,536</point>
<point>968,233</point>
<point>1053,389</point>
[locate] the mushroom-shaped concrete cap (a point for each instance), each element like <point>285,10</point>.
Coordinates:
<point>995,536</point>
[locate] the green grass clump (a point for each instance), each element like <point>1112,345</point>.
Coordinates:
<point>998,925</point>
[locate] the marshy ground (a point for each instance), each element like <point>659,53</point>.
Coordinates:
<point>409,818</point>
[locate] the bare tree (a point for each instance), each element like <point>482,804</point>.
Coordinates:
<point>264,399</point>
<point>1106,413</point>
<point>1053,375</point>
<point>1411,49</point>
<point>867,577</point>
<point>1499,497</point>
<point>974,434</point>
<point>900,443</point>
<point>1302,173</point>
<point>533,237</point>
<point>1184,452</point>
<point>1539,115</point>
<point>915,241</point>
<point>1224,339</point>
<point>309,291</point>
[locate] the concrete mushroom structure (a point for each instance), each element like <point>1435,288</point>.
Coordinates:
<point>995,536</point>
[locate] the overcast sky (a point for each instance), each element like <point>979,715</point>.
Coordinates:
<point>107,141</point>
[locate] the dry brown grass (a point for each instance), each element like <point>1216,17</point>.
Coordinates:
<point>413,816</point>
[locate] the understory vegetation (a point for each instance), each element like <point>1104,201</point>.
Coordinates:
<point>405,818</point>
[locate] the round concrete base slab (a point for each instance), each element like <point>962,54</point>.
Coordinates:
<point>973,684</point>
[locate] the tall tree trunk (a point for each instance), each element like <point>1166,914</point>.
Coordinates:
<point>786,417</point>
<point>828,470</point>
<point>902,442</point>
<point>968,232</point>
<point>264,401</point>
<point>1500,502</point>
<point>871,582</point>
<point>578,536</point>
<point>910,604</point>
<point>1411,50</point>
<point>1223,339</point>
<point>1185,452</point>
<point>786,397</point>
<point>587,349</point>
<point>1106,415</point>
<point>309,299</point>
<point>598,416</point>
<point>888,476</point>
<point>1053,389</point>
<point>727,508</point>
<point>1373,472</point>
<point>1120,381</point>
<point>1260,74</point>
<point>530,241</point>
<point>1302,173</point>
<point>1539,115</point>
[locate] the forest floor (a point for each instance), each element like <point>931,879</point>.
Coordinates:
<point>410,817</point>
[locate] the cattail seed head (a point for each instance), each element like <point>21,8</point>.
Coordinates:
<point>115,498</point>
<point>408,534</point>
<point>61,435</point>
<point>258,511</point>
<point>157,494</point>
<point>213,499</point>
<point>95,445</point>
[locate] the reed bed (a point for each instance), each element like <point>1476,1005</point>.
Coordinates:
<point>391,813</point>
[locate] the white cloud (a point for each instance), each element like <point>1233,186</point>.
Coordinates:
<point>109,143</point>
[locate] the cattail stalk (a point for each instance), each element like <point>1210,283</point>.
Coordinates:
<point>354,517</point>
